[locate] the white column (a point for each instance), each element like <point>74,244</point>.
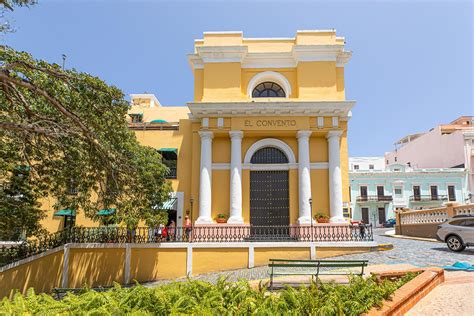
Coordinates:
<point>335,177</point>
<point>205,181</point>
<point>304,177</point>
<point>236,178</point>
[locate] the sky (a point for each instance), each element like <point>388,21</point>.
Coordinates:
<point>411,68</point>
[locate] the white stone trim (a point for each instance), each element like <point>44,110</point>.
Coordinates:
<point>205,179</point>
<point>320,121</point>
<point>288,166</point>
<point>220,166</point>
<point>189,260</point>
<point>65,276</point>
<point>282,107</point>
<point>304,177</point>
<point>220,122</point>
<point>127,264</point>
<point>270,142</point>
<point>251,256</point>
<point>335,121</point>
<point>205,122</point>
<point>272,76</point>
<point>236,178</point>
<point>274,166</point>
<point>319,165</point>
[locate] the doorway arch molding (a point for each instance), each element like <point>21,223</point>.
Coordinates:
<point>270,142</point>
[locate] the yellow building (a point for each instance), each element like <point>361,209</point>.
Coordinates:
<point>264,141</point>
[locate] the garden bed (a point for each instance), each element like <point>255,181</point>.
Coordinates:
<point>223,298</point>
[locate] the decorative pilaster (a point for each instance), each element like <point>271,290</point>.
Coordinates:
<point>304,177</point>
<point>335,177</point>
<point>236,178</point>
<point>205,181</point>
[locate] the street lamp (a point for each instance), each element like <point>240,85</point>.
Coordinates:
<point>311,213</point>
<point>191,201</point>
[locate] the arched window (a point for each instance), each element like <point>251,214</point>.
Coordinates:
<point>268,155</point>
<point>268,90</point>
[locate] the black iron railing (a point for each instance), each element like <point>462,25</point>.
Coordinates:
<point>425,198</point>
<point>212,234</point>
<point>374,198</point>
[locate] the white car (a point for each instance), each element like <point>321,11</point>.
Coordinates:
<point>457,232</point>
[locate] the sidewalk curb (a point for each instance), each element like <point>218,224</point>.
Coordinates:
<point>412,238</point>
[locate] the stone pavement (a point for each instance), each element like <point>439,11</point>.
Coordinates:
<point>454,297</point>
<point>405,251</point>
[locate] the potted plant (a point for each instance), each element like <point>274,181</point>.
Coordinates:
<point>221,218</point>
<point>322,218</point>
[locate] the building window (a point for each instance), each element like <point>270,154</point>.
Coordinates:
<point>387,162</point>
<point>371,167</point>
<point>398,192</point>
<point>380,190</point>
<point>269,155</point>
<point>416,193</point>
<point>434,192</point>
<point>395,159</point>
<point>268,90</point>
<point>356,167</point>
<point>345,212</point>
<point>136,118</point>
<point>72,187</point>
<point>451,193</point>
<point>169,157</point>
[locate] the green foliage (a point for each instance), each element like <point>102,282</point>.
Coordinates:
<point>203,298</point>
<point>68,127</point>
<point>20,211</point>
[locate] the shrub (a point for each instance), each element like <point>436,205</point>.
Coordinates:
<point>203,298</point>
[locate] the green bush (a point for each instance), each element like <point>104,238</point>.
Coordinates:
<point>203,298</point>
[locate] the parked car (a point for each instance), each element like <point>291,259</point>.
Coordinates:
<point>389,223</point>
<point>457,232</point>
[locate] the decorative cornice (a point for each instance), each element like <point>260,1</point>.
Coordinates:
<point>236,134</point>
<point>334,133</point>
<point>278,108</point>
<point>288,59</point>
<point>206,134</point>
<point>303,134</point>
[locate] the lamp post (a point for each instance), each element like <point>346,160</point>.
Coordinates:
<point>191,201</point>
<point>311,213</point>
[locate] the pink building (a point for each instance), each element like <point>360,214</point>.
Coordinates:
<point>445,146</point>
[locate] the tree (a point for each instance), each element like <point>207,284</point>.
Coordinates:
<point>70,127</point>
<point>20,212</point>
<point>8,5</point>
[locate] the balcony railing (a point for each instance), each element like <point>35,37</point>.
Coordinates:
<point>374,198</point>
<point>427,198</point>
<point>210,234</point>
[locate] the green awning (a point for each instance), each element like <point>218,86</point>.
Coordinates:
<point>106,212</point>
<point>159,121</point>
<point>169,204</point>
<point>65,213</point>
<point>169,150</point>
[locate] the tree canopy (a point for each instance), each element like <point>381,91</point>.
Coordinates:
<point>70,129</point>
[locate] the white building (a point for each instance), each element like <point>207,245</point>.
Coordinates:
<point>366,163</point>
<point>376,194</point>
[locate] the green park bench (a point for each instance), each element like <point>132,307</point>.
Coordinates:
<point>315,268</point>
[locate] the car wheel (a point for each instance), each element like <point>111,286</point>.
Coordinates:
<point>455,243</point>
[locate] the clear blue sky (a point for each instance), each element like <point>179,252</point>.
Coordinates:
<point>412,64</point>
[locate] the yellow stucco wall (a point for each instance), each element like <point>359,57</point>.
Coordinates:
<point>219,259</point>
<point>43,275</point>
<point>262,255</point>
<point>228,82</point>
<point>154,264</point>
<point>94,267</point>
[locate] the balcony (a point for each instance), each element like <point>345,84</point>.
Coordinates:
<point>428,198</point>
<point>374,198</point>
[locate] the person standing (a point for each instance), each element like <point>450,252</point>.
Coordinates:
<point>187,227</point>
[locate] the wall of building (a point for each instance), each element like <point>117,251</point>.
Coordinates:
<point>406,180</point>
<point>95,265</point>
<point>429,150</point>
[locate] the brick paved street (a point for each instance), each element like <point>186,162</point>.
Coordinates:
<point>405,251</point>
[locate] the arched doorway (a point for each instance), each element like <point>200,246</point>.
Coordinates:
<point>269,189</point>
